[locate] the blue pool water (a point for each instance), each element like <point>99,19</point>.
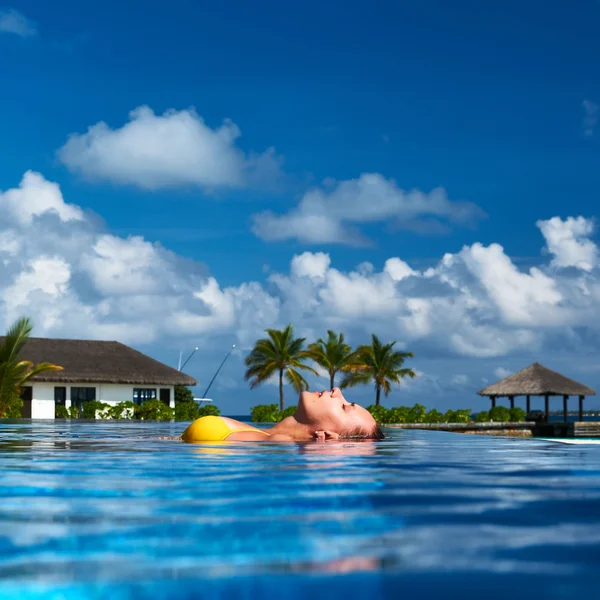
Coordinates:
<point>106,510</point>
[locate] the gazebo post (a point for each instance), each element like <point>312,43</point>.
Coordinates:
<point>581,407</point>
<point>565,408</point>
<point>547,407</point>
<point>493,399</point>
<point>512,401</point>
<point>528,403</point>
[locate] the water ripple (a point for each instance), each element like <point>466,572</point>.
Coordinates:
<point>96,510</point>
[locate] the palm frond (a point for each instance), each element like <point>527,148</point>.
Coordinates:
<point>36,370</point>
<point>296,380</point>
<point>354,379</point>
<point>16,337</point>
<point>14,372</point>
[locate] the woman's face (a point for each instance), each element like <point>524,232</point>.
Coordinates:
<point>331,411</point>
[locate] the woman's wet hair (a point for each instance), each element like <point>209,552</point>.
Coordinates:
<point>361,433</point>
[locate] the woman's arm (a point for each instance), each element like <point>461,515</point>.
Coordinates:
<point>257,436</point>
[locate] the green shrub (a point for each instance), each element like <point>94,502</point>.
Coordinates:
<point>463,415</point>
<point>11,405</point>
<point>500,414</point>
<point>290,411</point>
<point>186,411</point>
<point>210,410</point>
<point>482,417</point>
<point>122,410</point>
<point>517,415</point>
<point>183,394</point>
<point>186,408</point>
<point>434,416</point>
<point>449,416</point>
<point>154,410</point>
<point>398,414</point>
<point>457,416</point>
<point>265,413</point>
<point>91,407</point>
<point>61,412</point>
<point>417,414</point>
<point>379,413</point>
<point>74,412</point>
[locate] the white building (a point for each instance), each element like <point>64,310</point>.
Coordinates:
<point>92,370</point>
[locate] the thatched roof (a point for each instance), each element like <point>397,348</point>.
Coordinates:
<point>90,361</point>
<point>537,380</point>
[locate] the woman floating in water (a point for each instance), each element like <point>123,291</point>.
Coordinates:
<point>319,416</point>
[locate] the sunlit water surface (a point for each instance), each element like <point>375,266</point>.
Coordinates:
<point>107,510</point>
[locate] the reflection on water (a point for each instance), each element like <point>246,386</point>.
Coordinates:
<point>106,509</point>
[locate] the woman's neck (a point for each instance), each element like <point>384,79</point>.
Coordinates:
<point>296,430</point>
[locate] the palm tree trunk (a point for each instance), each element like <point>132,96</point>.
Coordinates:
<point>331,379</point>
<point>378,394</point>
<point>281,390</point>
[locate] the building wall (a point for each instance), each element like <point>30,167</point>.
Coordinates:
<point>42,405</point>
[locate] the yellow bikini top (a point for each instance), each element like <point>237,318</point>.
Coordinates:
<point>211,429</point>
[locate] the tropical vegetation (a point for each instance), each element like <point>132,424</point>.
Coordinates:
<point>279,355</point>
<point>332,354</point>
<point>501,414</point>
<point>379,364</point>
<point>151,410</point>
<point>417,414</point>
<point>270,413</point>
<point>282,355</point>
<point>15,372</point>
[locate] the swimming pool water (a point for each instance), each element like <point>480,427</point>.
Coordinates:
<point>107,510</point>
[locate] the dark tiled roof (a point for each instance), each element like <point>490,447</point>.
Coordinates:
<point>99,362</point>
<point>537,380</point>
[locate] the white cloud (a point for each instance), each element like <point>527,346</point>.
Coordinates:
<point>569,242</point>
<point>60,266</point>
<point>176,149</point>
<point>310,264</point>
<point>36,196</point>
<point>522,298</point>
<point>501,372</point>
<point>460,380</point>
<point>12,21</point>
<point>590,119</point>
<point>397,269</point>
<point>330,214</point>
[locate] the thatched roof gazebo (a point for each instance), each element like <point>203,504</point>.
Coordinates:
<point>537,380</point>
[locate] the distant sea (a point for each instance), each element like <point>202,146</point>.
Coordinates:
<point>571,418</point>
<point>243,418</point>
<point>552,418</point>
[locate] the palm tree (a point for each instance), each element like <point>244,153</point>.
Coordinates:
<point>332,354</point>
<point>379,363</point>
<point>14,372</point>
<point>279,353</point>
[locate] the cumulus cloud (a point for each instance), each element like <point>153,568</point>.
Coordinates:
<point>175,149</point>
<point>590,120</point>
<point>58,264</point>
<point>332,213</point>
<point>12,21</point>
<point>569,242</point>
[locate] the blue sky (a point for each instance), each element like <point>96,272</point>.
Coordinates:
<point>335,111</point>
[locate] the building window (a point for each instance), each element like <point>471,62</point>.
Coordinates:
<point>165,396</point>
<point>60,396</point>
<point>82,394</point>
<point>140,395</point>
